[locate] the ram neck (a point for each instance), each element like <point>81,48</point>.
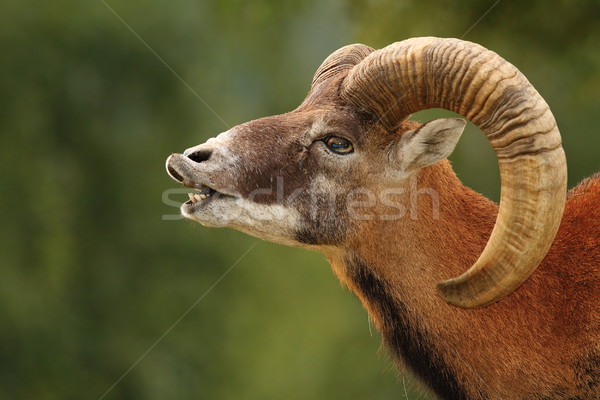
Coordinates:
<point>524,346</point>
<point>393,267</point>
<point>442,232</point>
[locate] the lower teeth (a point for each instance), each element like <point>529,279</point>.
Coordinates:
<point>195,198</point>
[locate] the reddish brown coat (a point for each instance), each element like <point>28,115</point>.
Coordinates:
<point>541,342</point>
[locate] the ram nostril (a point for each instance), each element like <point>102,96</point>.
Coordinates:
<point>200,155</point>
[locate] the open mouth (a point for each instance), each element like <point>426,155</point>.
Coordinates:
<point>204,192</point>
<point>178,167</point>
<point>203,195</point>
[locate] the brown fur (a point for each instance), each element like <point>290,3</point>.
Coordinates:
<point>540,342</point>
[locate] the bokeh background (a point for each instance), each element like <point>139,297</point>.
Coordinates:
<point>104,295</point>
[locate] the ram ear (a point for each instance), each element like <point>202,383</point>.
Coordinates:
<point>429,143</point>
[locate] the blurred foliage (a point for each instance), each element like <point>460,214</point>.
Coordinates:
<point>95,284</point>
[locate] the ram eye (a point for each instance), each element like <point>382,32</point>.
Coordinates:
<point>338,145</point>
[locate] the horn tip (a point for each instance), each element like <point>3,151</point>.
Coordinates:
<point>455,293</point>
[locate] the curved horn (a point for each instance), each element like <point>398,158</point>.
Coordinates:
<point>466,78</point>
<point>345,58</point>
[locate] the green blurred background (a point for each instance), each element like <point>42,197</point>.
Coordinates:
<point>104,295</point>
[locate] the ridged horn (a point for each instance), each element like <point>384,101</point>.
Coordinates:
<point>344,58</point>
<point>466,78</point>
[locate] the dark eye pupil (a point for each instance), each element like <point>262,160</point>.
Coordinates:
<point>339,145</point>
